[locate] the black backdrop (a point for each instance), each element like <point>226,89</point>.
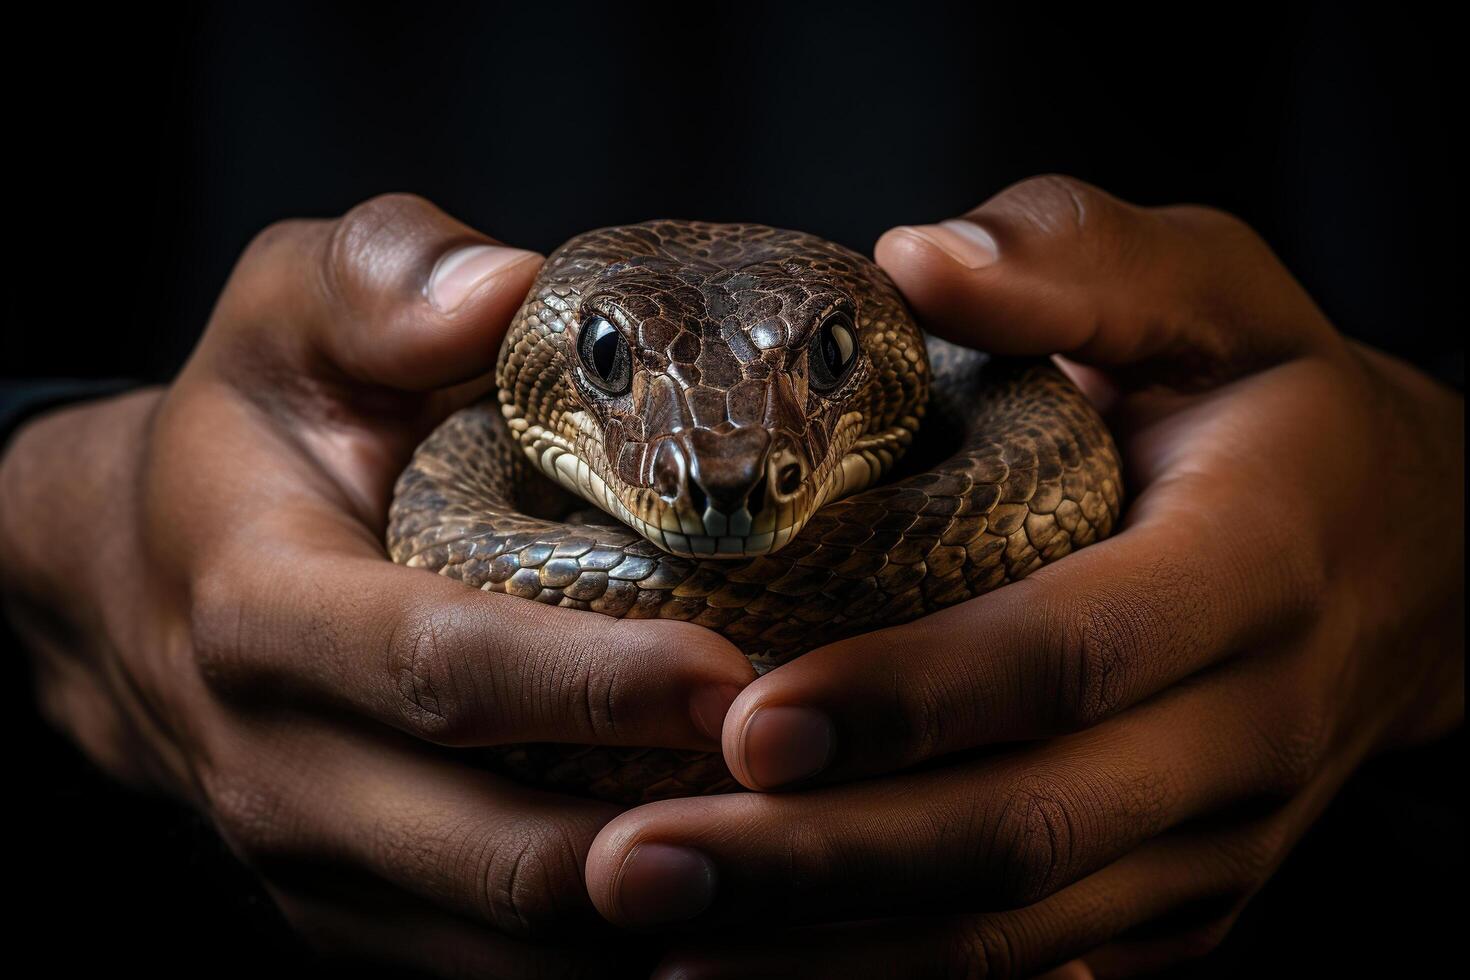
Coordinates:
<point>149,145</point>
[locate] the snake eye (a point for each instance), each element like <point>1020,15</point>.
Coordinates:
<point>832,352</point>
<point>605,355</point>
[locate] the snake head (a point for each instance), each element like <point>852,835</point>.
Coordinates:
<point>712,385</point>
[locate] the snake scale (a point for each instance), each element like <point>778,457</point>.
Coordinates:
<point>742,406</point>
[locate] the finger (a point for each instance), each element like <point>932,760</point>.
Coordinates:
<point>1166,875</point>
<point>999,832</point>
<point>300,793</point>
<point>1075,642</point>
<point>1073,970</point>
<point>1144,957</point>
<point>307,608</point>
<point>338,339</point>
<point>394,293</point>
<point>1054,265</point>
<point>407,935</point>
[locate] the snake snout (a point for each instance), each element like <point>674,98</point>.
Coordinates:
<point>727,492</point>
<point>726,468</point>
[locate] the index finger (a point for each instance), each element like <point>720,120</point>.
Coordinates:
<point>302,603</point>
<point>1198,573</point>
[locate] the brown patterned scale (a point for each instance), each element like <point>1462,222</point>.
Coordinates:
<point>723,434</point>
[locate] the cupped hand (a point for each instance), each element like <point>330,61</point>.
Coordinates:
<point>200,575</point>
<point>1109,757</point>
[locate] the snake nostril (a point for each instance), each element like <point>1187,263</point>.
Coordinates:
<point>789,479</point>
<point>698,498</point>
<point>668,469</point>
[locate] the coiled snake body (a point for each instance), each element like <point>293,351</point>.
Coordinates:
<point>743,404</point>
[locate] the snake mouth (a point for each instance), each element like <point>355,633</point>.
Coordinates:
<point>856,463</point>
<point>700,543</point>
<point>676,530</point>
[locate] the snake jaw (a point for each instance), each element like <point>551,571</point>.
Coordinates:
<point>673,528</point>
<point>856,462</point>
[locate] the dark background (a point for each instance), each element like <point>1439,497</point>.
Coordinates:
<point>150,145</point>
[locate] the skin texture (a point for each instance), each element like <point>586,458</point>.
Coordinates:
<point>238,638</point>
<point>1020,471</point>
<point>1282,600</point>
<point>1193,690</point>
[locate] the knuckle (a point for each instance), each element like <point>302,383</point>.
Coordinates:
<point>1244,860</point>
<point>582,687</point>
<point>593,687</point>
<point>427,656</point>
<point>1214,223</point>
<point>521,878</point>
<point>1304,583</point>
<point>365,221</point>
<point>1059,206</point>
<point>1297,747</point>
<point>1123,640</point>
<point>1240,255</point>
<point>933,705</point>
<point>270,242</point>
<point>1034,841</point>
<point>363,235</point>
<point>922,714</point>
<point>1248,312</point>
<point>217,628</point>
<point>262,287</point>
<point>249,815</point>
<point>530,881</point>
<point>1099,645</point>
<point>256,285</point>
<point>1200,942</point>
<point>981,949</point>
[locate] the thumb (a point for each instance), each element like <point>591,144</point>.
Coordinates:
<point>1185,295</point>
<point>395,294</point>
<point>357,335</point>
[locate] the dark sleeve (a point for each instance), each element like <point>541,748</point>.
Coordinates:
<point>23,400</point>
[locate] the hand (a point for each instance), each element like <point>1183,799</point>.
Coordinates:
<point>1167,710</point>
<point>200,575</point>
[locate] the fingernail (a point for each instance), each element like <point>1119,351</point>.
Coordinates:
<point>786,744</point>
<point>964,241</point>
<point>708,707</point>
<point>460,272</point>
<point>661,883</point>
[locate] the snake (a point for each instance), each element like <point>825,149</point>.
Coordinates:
<point>745,428</point>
